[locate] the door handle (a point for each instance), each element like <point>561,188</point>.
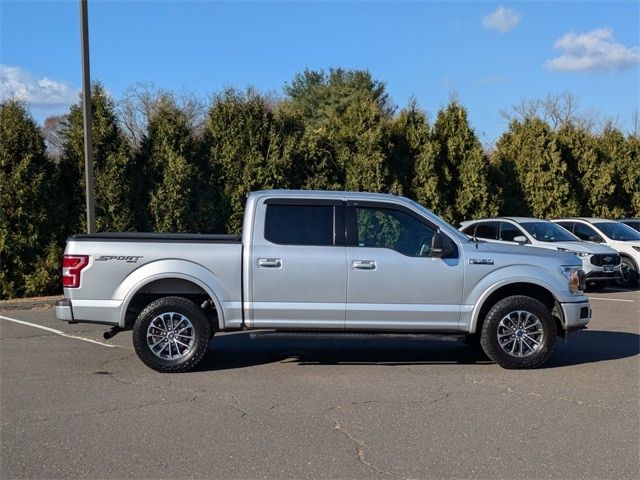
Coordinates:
<point>363,265</point>
<point>269,263</point>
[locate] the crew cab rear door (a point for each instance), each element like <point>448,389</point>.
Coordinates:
<point>298,264</point>
<point>394,282</point>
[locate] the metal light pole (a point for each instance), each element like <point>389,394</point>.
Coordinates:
<point>86,103</point>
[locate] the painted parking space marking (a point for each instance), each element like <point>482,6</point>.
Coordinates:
<point>612,299</point>
<point>58,332</point>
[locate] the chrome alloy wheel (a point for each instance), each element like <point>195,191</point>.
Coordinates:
<point>170,336</point>
<point>520,333</point>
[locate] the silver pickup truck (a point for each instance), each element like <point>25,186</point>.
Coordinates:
<point>319,261</point>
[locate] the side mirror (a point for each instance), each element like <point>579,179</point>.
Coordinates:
<point>442,246</point>
<point>520,239</point>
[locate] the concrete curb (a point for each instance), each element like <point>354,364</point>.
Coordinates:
<point>29,303</point>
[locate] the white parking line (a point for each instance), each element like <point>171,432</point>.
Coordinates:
<point>58,332</point>
<point>612,299</point>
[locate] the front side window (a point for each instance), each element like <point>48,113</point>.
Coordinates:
<point>299,224</point>
<point>548,232</point>
<point>394,229</point>
<point>508,232</point>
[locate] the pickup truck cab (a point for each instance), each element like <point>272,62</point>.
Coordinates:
<point>320,261</point>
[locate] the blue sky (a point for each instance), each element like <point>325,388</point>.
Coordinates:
<point>489,54</point>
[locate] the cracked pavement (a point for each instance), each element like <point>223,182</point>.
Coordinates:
<point>320,408</point>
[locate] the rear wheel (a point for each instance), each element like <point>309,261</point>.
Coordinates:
<point>518,332</point>
<point>171,334</point>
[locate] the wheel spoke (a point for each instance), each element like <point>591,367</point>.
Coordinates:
<point>170,336</point>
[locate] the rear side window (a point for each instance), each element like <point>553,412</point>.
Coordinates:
<point>488,230</point>
<point>469,230</point>
<point>299,224</point>
<point>566,226</point>
<point>508,232</point>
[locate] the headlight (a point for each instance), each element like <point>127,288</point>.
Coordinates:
<point>579,254</point>
<point>575,276</point>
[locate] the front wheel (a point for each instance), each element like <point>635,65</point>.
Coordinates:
<point>518,332</point>
<point>629,278</point>
<point>171,334</point>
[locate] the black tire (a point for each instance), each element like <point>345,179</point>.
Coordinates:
<point>629,274</point>
<point>492,327</point>
<point>173,310</point>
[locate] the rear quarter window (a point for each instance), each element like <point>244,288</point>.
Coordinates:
<point>487,230</point>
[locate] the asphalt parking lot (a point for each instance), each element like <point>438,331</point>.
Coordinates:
<point>309,408</point>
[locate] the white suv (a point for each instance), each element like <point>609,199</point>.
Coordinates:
<point>600,263</point>
<point>624,239</point>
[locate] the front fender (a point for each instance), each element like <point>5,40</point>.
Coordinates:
<point>166,269</point>
<point>510,275</point>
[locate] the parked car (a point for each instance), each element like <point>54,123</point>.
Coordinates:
<point>632,222</point>
<point>323,262</point>
<point>601,264</point>
<point>624,239</point>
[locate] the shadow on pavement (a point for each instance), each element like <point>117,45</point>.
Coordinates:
<point>240,351</point>
<point>591,346</point>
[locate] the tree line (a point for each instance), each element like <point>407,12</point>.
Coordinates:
<point>165,163</point>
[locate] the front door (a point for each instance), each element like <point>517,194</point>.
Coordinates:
<point>393,280</point>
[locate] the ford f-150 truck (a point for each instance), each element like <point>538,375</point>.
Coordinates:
<point>319,261</point>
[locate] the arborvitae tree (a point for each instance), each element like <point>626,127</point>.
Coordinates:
<point>578,149</point>
<point>615,177</point>
<point>114,168</point>
<point>349,111</point>
<point>247,151</point>
<point>29,252</point>
<point>172,156</point>
<point>407,134</point>
<point>528,154</point>
<point>463,169</point>
<point>630,169</point>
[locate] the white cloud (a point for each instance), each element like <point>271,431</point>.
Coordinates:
<point>502,20</point>
<point>591,51</point>
<point>16,82</point>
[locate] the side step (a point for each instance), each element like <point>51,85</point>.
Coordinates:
<point>279,334</point>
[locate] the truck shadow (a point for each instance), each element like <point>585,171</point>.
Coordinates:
<point>239,350</point>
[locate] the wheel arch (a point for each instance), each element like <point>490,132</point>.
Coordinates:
<point>178,284</point>
<point>526,288</point>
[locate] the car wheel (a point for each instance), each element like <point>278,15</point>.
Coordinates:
<point>171,334</point>
<point>629,272</point>
<point>518,332</point>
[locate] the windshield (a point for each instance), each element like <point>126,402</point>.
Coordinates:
<point>618,231</point>
<point>548,232</point>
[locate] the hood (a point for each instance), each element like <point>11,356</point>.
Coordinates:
<point>588,247</point>
<point>563,258</point>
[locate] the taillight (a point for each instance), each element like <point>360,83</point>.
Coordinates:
<point>72,265</point>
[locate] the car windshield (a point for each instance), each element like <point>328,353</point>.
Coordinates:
<point>618,231</point>
<point>548,232</point>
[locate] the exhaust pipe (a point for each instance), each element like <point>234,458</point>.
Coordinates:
<point>111,333</point>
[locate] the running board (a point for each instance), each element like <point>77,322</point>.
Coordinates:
<point>451,337</point>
